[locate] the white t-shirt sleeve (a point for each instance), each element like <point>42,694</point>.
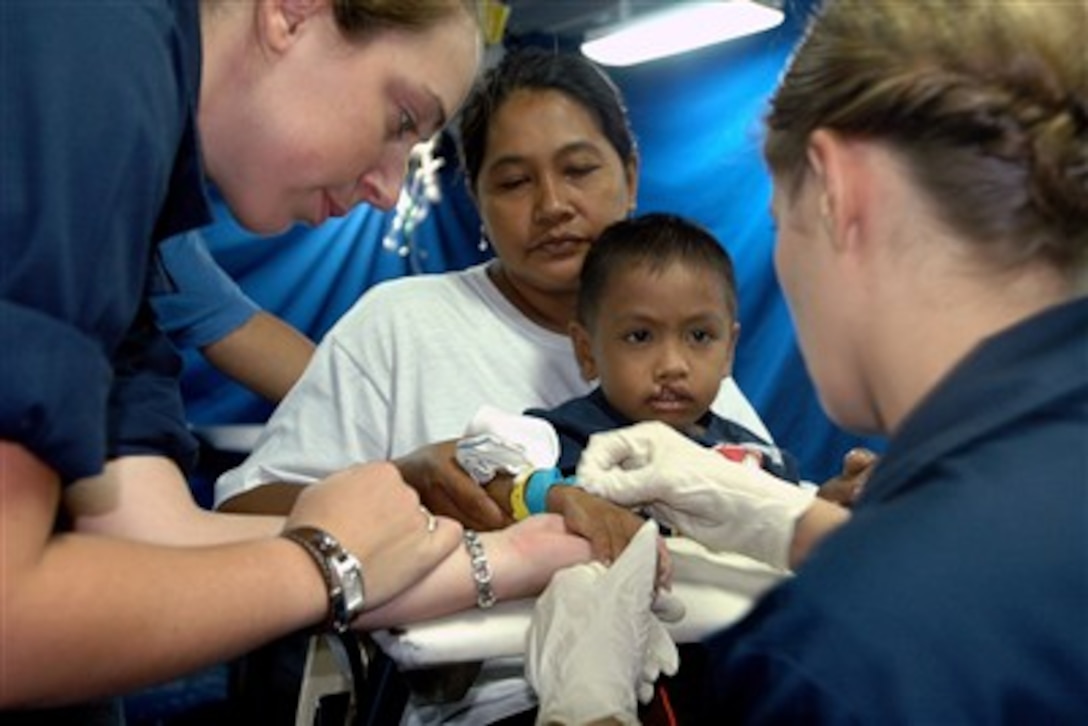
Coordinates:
<point>331,419</point>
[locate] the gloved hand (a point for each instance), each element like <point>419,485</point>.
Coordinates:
<point>722,504</point>
<point>594,643</point>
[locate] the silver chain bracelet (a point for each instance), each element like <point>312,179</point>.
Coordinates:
<point>481,570</point>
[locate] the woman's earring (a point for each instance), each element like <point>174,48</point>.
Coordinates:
<point>484,242</point>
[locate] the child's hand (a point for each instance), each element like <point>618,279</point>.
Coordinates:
<point>845,488</point>
<point>608,527</point>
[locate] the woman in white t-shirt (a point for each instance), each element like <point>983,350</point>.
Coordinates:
<point>551,161</point>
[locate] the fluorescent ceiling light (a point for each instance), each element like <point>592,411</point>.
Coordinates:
<point>679,29</point>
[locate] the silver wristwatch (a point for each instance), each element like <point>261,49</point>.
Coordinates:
<point>342,573</point>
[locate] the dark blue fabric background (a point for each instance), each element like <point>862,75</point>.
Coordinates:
<point>697,119</point>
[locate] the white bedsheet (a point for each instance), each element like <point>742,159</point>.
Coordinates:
<point>716,589</point>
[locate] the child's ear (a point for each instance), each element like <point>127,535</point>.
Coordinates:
<point>583,350</point>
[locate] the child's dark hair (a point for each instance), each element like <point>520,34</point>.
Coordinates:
<point>653,241</point>
<point>536,69</point>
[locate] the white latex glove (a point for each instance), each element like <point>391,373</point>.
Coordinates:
<point>722,504</point>
<point>594,643</point>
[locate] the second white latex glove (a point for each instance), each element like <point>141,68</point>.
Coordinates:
<point>725,505</point>
<point>594,644</point>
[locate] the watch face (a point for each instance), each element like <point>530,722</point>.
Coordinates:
<point>350,574</point>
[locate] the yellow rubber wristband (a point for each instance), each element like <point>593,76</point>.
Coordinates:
<point>518,507</point>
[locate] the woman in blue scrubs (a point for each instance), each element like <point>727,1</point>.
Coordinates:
<point>930,166</point>
<point>114,115</point>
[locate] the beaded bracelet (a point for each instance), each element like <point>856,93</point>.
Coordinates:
<point>481,570</point>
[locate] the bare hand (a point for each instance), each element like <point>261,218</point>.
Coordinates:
<point>525,555</point>
<point>378,518</point>
<point>845,488</point>
<point>522,557</point>
<point>446,489</point>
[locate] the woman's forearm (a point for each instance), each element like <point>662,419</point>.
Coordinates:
<point>146,498</point>
<point>130,608</point>
<point>522,558</point>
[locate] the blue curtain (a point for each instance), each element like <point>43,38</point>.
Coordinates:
<point>697,119</point>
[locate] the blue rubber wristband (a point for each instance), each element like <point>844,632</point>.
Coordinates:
<point>536,490</point>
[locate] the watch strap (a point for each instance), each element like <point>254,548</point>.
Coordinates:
<point>341,570</point>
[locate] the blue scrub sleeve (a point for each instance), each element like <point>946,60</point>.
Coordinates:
<point>199,303</point>
<point>54,381</point>
<point>146,410</point>
<point>98,159</point>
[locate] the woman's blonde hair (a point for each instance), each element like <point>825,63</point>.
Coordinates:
<point>986,101</point>
<point>359,18</point>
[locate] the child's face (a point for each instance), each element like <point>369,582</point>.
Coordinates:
<point>662,343</point>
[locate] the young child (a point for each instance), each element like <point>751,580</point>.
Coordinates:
<point>657,327</point>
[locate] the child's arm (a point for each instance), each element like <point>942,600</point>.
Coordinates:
<point>608,527</point>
